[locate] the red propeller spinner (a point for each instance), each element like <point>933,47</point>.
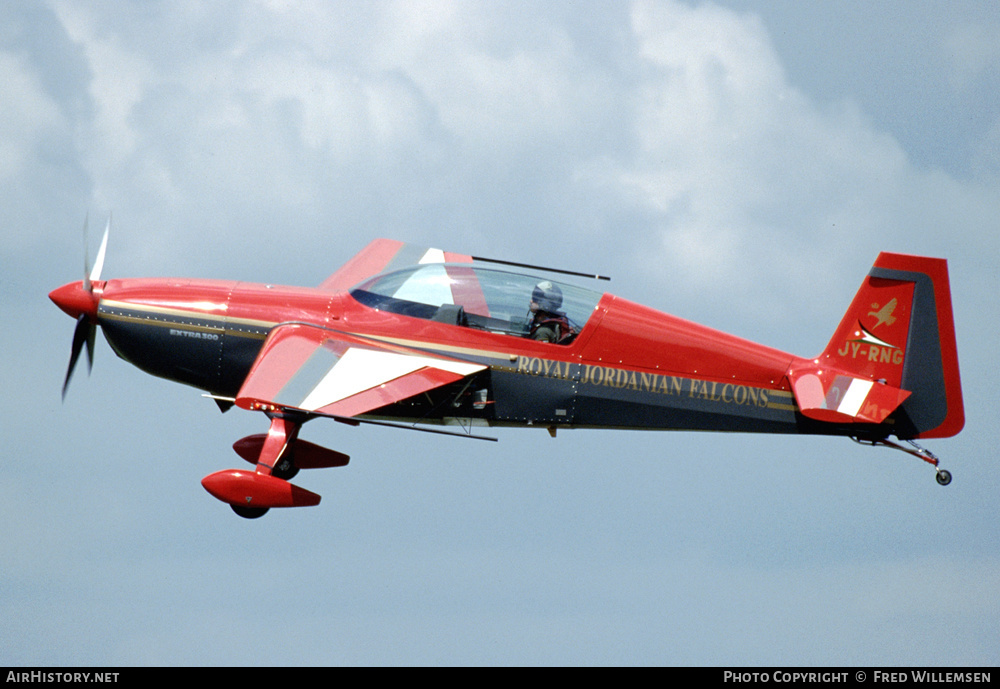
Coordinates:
<point>76,300</point>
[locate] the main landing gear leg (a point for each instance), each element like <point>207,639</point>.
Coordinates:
<point>274,460</point>
<point>943,476</point>
<point>276,456</point>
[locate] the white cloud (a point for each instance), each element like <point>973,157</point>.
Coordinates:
<point>685,146</point>
<point>27,115</point>
<point>753,196</point>
<point>119,78</point>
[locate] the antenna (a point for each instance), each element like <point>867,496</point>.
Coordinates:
<point>549,270</point>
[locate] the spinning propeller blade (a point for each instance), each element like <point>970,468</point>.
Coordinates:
<point>84,333</point>
<point>78,299</point>
<point>86,255</point>
<point>95,274</point>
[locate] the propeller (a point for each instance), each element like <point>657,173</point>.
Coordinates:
<point>91,275</point>
<point>80,300</point>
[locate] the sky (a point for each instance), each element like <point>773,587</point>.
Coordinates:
<point>735,163</point>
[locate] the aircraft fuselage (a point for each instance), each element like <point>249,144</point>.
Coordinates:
<point>207,334</point>
<point>405,333</point>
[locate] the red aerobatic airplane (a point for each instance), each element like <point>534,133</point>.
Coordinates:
<point>403,335</point>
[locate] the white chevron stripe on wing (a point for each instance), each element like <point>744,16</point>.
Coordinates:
<point>363,369</point>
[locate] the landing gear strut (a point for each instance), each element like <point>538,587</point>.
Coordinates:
<point>943,476</point>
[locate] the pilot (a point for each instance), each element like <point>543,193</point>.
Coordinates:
<point>548,323</point>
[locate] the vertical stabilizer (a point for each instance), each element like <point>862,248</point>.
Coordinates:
<point>899,333</point>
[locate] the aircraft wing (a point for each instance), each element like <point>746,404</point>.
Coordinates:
<point>335,374</point>
<point>384,255</point>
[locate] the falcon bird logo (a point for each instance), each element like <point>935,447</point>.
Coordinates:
<point>885,314</point>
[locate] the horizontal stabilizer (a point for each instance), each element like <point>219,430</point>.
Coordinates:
<point>836,397</point>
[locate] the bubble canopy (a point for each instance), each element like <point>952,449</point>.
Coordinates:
<point>471,296</point>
